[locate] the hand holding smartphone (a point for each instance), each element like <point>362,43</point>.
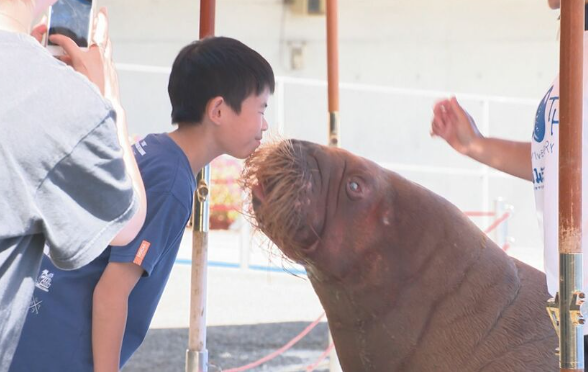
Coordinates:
<point>72,18</point>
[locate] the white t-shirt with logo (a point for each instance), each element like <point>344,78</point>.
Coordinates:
<point>544,158</point>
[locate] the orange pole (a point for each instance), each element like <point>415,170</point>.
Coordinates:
<point>333,71</point>
<point>570,185</point>
<point>207,17</point>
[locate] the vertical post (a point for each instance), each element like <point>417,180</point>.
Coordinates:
<point>333,71</point>
<point>207,17</point>
<point>197,355</point>
<point>333,96</point>
<point>571,340</point>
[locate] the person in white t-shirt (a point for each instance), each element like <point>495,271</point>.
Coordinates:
<point>535,161</point>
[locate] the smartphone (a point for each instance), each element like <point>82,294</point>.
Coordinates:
<point>72,18</point>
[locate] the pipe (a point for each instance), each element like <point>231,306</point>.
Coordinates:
<point>571,338</point>
<point>333,71</point>
<point>197,354</point>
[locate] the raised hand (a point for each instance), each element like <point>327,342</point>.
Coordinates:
<point>452,123</point>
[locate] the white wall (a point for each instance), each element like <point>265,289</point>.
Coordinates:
<point>501,47</point>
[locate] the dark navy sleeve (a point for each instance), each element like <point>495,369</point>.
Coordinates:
<point>166,220</point>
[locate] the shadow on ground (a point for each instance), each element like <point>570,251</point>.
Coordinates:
<point>164,350</point>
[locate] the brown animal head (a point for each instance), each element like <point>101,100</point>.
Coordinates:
<point>328,210</point>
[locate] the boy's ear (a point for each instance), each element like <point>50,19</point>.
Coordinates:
<point>214,109</point>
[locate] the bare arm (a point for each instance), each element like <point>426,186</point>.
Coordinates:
<point>452,123</point>
<point>510,157</point>
<point>109,313</point>
<point>97,65</point>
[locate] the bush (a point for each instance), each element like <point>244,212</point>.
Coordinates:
<point>226,199</point>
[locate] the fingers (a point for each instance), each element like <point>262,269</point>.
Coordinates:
<point>65,59</point>
<point>39,30</point>
<point>463,114</point>
<point>456,108</point>
<point>68,45</point>
<point>440,118</point>
<point>438,128</point>
<point>100,28</point>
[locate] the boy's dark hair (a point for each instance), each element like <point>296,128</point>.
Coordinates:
<point>212,67</point>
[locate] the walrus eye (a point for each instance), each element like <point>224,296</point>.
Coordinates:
<point>354,187</point>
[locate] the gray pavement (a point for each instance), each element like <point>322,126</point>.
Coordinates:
<point>234,346</point>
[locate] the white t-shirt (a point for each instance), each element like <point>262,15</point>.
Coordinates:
<point>544,158</point>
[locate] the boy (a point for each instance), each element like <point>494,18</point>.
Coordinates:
<point>64,180</point>
<point>78,320</point>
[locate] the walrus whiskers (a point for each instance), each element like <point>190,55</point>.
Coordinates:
<point>284,179</point>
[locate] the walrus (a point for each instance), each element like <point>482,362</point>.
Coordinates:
<point>408,282</point>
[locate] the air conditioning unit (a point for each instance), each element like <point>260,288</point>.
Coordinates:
<point>307,7</point>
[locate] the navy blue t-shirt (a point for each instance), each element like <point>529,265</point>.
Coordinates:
<point>57,336</point>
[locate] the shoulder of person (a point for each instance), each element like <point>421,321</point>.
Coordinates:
<point>60,83</point>
<point>163,167</point>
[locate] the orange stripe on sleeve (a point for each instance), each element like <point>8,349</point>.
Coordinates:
<point>141,252</point>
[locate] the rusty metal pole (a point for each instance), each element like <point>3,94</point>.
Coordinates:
<point>333,71</point>
<point>333,96</point>
<point>197,354</point>
<point>571,337</point>
<point>207,18</point>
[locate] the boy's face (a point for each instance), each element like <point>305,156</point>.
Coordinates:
<point>244,131</point>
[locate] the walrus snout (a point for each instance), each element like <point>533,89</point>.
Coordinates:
<point>280,183</point>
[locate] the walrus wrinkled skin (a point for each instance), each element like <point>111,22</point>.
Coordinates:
<point>407,281</point>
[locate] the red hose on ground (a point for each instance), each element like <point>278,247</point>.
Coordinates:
<point>280,350</point>
<point>311,367</point>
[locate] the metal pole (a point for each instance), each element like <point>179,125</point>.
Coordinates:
<point>197,355</point>
<point>571,339</point>
<point>333,72</point>
<point>207,17</point>
<point>333,95</point>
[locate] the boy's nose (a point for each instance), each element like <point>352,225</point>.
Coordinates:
<point>264,125</point>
